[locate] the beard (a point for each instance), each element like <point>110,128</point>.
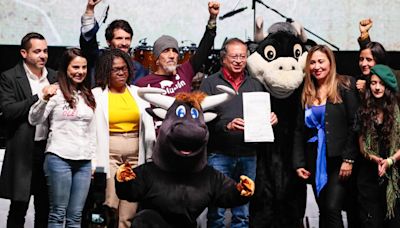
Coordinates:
<point>170,69</point>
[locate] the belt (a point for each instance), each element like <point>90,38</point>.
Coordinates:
<point>125,134</point>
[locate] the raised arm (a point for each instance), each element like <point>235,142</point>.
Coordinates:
<point>364,26</point>
<point>89,29</point>
<point>206,43</point>
<point>88,22</point>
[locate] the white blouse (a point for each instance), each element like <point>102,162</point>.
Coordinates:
<point>72,132</point>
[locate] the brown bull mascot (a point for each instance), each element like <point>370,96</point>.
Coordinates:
<point>175,188</point>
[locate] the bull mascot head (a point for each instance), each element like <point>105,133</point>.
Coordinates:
<point>279,60</point>
<point>181,144</point>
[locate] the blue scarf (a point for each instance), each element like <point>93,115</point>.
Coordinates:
<point>321,176</point>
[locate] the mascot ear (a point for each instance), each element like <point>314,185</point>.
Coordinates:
<point>157,112</point>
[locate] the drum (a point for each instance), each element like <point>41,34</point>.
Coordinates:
<point>186,52</point>
<point>144,55</point>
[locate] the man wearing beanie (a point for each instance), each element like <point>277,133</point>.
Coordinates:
<point>170,76</point>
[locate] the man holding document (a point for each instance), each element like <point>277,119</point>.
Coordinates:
<point>228,151</point>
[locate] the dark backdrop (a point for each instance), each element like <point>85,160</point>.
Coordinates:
<point>347,61</point>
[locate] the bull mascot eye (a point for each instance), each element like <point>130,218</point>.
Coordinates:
<point>297,51</point>
<point>195,113</point>
<point>269,52</point>
<point>180,111</point>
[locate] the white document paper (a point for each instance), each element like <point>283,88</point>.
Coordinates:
<point>257,116</point>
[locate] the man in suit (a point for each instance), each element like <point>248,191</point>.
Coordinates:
<point>22,172</point>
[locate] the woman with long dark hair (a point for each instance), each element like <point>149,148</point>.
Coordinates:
<point>379,123</point>
<point>371,54</point>
<point>71,144</point>
<point>324,141</point>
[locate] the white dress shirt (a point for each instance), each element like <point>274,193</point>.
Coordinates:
<point>37,85</point>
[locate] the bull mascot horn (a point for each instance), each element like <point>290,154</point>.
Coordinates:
<point>156,97</point>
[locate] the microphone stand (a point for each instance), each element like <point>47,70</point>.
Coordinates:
<point>253,6</point>
<point>104,16</point>
<point>289,20</point>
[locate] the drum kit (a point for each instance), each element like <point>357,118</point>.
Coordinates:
<point>143,54</point>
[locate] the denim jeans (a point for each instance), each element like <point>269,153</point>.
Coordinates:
<point>232,167</point>
<point>68,182</point>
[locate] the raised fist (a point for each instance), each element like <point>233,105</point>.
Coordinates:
<point>213,8</point>
<point>49,91</point>
<point>365,25</point>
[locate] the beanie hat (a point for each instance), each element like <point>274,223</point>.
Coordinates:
<point>164,42</point>
<point>385,74</point>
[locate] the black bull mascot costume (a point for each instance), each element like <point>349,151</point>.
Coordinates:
<point>278,63</point>
<point>175,188</point>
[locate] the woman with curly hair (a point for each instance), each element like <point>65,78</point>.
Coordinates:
<point>125,131</point>
<point>379,125</point>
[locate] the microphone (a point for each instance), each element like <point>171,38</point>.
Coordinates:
<point>143,40</point>
<point>230,14</point>
<point>106,14</point>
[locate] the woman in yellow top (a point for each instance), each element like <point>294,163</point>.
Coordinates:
<point>125,132</point>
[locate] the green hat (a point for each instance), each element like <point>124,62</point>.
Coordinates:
<point>385,74</point>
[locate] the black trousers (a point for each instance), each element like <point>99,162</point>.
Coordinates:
<point>18,209</point>
<point>372,198</point>
<point>279,200</point>
<point>331,200</point>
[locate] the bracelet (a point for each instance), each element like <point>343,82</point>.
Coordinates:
<point>394,160</point>
<point>390,161</point>
<point>212,23</point>
<point>348,161</point>
<point>364,36</point>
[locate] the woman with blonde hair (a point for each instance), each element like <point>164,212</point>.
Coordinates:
<point>325,142</point>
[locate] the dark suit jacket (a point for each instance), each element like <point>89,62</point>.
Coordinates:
<point>341,139</point>
<point>15,100</point>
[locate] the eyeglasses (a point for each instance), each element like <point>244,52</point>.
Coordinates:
<point>116,70</point>
<point>237,57</point>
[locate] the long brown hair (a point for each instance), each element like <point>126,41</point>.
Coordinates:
<point>333,80</point>
<point>369,110</point>
<point>65,82</point>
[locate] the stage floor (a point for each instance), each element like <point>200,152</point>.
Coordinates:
<point>311,211</point>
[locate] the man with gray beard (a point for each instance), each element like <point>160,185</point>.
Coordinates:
<point>170,76</point>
